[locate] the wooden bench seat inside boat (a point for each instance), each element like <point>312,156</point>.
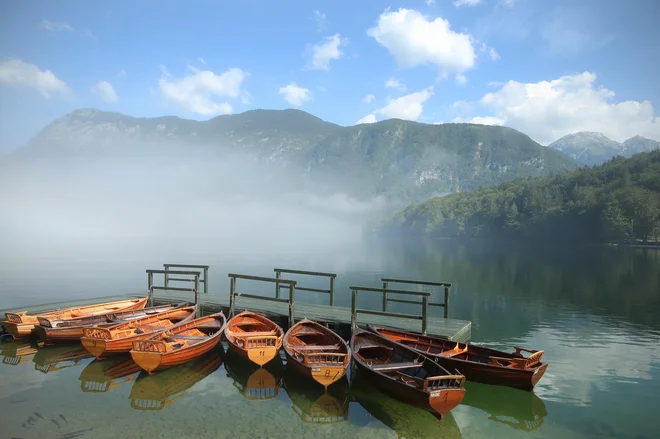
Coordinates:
<point>253,334</point>
<point>372,346</point>
<point>308,331</point>
<point>316,347</point>
<point>189,337</point>
<point>395,366</point>
<point>209,325</point>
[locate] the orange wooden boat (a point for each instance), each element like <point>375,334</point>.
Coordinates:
<point>119,338</point>
<point>180,343</point>
<point>316,352</point>
<point>21,324</point>
<point>53,331</point>
<point>254,337</point>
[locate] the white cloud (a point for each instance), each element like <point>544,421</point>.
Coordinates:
<point>295,95</point>
<point>461,79</point>
<point>321,20</point>
<point>408,107</point>
<point>325,52</point>
<point>105,91</point>
<point>488,120</point>
<point>369,118</point>
<point>430,2</point>
<point>548,110</point>
<point>197,92</point>
<point>494,55</point>
<point>459,3</point>
<point>121,74</point>
<point>414,40</point>
<point>393,83</point>
<point>509,3</point>
<point>21,74</point>
<point>201,60</point>
<point>56,26</point>
<point>368,99</point>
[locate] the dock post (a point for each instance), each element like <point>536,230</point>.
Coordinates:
<point>278,275</point>
<point>425,306</point>
<point>332,291</point>
<point>353,310</point>
<point>384,297</point>
<point>167,278</point>
<point>197,290</point>
<point>150,280</point>
<point>232,292</point>
<point>446,301</point>
<point>206,280</point>
<point>292,300</point>
<point>151,296</point>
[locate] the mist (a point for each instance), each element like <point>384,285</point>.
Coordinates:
<point>231,210</point>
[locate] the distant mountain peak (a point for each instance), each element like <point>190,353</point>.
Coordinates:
<point>593,148</point>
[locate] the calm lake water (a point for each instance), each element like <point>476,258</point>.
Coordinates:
<point>593,311</point>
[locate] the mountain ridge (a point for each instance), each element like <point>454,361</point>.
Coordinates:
<point>593,148</point>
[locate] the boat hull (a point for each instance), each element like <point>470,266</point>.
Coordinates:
<point>324,374</point>
<point>153,361</point>
<point>254,337</point>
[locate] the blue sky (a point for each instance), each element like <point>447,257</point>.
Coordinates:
<point>547,68</point>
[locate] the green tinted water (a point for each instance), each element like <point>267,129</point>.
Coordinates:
<point>591,310</point>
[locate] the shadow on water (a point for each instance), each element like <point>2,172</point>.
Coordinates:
<point>108,374</point>
<point>516,408</point>
<point>253,382</point>
<point>17,352</point>
<point>407,421</point>
<point>155,392</point>
<point>315,405</point>
<point>54,358</point>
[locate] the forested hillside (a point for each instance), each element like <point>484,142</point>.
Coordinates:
<point>618,201</point>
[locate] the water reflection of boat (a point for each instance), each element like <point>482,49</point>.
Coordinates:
<point>52,358</point>
<point>313,404</point>
<point>253,382</point>
<point>525,410</point>
<point>406,420</point>
<point>101,376</point>
<point>17,352</point>
<point>155,392</point>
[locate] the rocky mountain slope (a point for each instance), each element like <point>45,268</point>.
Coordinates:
<point>590,148</point>
<point>402,159</point>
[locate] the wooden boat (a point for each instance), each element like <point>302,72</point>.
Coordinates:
<point>316,352</point>
<point>21,324</point>
<point>119,338</point>
<point>180,343</point>
<point>405,374</point>
<point>254,337</point>
<point>164,389</point>
<point>53,331</point>
<point>103,376</point>
<point>477,363</point>
<point>255,383</point>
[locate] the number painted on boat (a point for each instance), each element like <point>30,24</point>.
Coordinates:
<point>94,343</point>
<point>261,353</point>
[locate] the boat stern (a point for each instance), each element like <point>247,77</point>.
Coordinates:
<point>148,354</point>
<point>444,401</point>
<point>538,373</point>
<point>327,374</point>
<point>19,325</point>
<point>261,349</point>
<point>94,340</point>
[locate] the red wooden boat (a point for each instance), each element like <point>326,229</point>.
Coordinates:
<point>180,343</point>
<point>119,338</point>
<point>477,363</point>
<point>53,331</point>
<point>405,374</point>
<point>316,352</point>
<point>254,337</point>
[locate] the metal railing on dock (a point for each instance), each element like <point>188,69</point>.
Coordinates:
<point>331,276</point>
<point>168,271</point>
<point>445,285</point>
<point>291,285</point>
<point>425,303</point>
<point>165,287</point>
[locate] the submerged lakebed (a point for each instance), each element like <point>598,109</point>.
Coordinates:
<point>591,310</point>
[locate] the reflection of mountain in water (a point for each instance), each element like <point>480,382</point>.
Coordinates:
<point>17,352</point>
<point>313,404</point>
<point>407,421</point>
<point>104,375</point>
<point>524,410</point>
<point>53,358</point>
<point>162,389</point>
<point>253,382</point>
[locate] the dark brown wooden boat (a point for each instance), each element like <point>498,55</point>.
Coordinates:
<point>254,337</point>
<point>316,352</point>
<point>477,363</point>
<point>54,331</point>
<point>405,374</point>
<point>119,338</point>
<point>164,389</point>
<point>180,343</point>
<point>22,324</point>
